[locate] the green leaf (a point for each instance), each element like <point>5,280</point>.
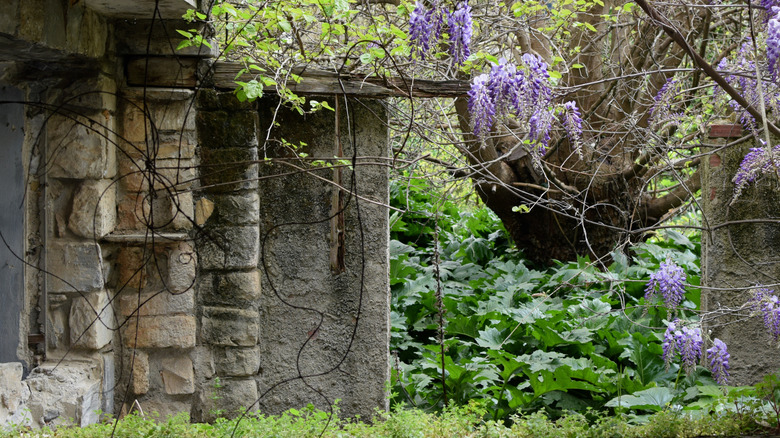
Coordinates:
<point>652,399</point>
<point>490,338</point>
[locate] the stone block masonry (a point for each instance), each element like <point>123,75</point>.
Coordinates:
<point>174,234</point>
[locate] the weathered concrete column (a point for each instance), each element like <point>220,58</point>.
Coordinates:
<point>324,255</point>
<point>228,245</point>
<point>738,255</point>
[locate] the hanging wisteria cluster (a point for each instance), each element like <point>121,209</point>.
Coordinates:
<point>426,25</point>
<point>768,304</point>
<point>687,342</point>
<point>684,340</point>
<point>718,357</point>
<point>661,111</point>
<point>525,94</point>
<point>759,161</point>
<point>668,280</point>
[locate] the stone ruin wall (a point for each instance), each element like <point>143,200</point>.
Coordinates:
<point>181,319</point>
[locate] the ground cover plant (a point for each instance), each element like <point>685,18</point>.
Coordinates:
<point>473,320</point>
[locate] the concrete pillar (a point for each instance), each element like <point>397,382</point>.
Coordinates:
<point>324,254</point>
<point>736,255</point>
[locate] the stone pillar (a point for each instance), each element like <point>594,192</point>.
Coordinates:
<point>325,306</point>
<point>228,245</point>
<point>156,262</point>
<point>736,256</point>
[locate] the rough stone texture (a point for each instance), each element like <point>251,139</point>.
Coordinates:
<point>204,208</point>
<point>69,391</point>
<point>203,362</point>
<point>177,375</point>
<point>182,263</point>
<point>14,394</point>
<point>168,175</point>
<point>134,212</point>
<point>222,129</point>
<point>230,396</point>
<point>229,247</point>
<point>75,266</point>
<point>236,209</point>
<point>237,362</point>
<point>163,116</point>
<point>171,149</point>
<point>76,151</point>
<point>182,211</point>
<point>92,321</point>
<point>94,209</point>
<point>228,170</point>
<point>177,331</point>
<point>157,303</point>
<point>239,288</point>
<point>140,373</point>
<point>299,269</point>
<point>738,256</point>
<point>131,262</point>
<point>229,327</point>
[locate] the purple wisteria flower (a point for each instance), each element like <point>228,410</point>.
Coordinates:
<point>460,33</point>
<point>773,42</point>
<point>769,305</point>
<point>421,27</point>
<point>572,123</point>
<point>539,127</point>
<point>757,162</point>
<point>684,340</point>
<point>718,357</point>
<point>524,93</point>
<point>481,106</point>
<point>661,111</point>
<point>668,280</point>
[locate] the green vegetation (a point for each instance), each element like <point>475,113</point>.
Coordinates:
<point>569,351</point>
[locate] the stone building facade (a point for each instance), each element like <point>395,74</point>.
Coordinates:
<point>162,248</point>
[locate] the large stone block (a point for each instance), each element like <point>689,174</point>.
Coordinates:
<point>75,267</point>
<point>228,397</point>
<point>159,116</point>
<point>177,375</point>
<point>157,303</point>
<point>176,331</point>
<point>78,151</point>
<point>182,211</point>
<point>229,247</point>
<point>228,170</point>
<point>14,395</point>
<point>221,129</point>
<point>140,372</point>
<point>237,361</point>
<point>91,320</point>
<point>131,267</point>
<point>167,176</point>
<point>182,263</point>
<point>134,212</point>
<point>229,327</point>
<point>65,392</point>
<point>237,289</point>
<point>236,209</point>
<point>173,148</point>
<point>94,209</point>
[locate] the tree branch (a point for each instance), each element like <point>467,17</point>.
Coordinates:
<point>704,65</point>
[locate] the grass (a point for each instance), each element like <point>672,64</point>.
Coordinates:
<point>464,421</point>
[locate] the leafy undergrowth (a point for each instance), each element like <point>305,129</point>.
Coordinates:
<point>466,421</point>
<point>576,337</point>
